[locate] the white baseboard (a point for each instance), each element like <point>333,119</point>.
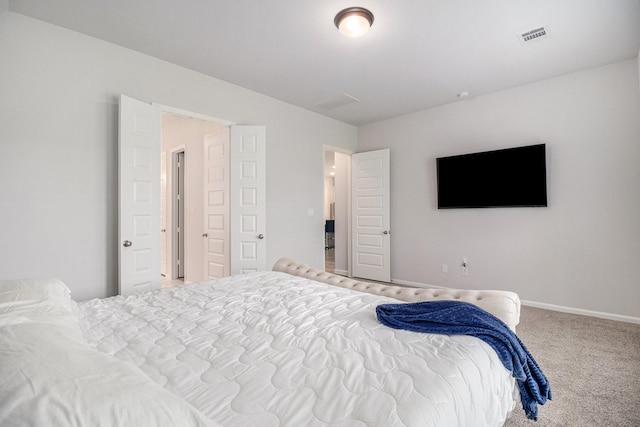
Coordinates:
<point>341,272</point>
<point>415,284</point>
<point>552,307</point>
<point>582,312</point>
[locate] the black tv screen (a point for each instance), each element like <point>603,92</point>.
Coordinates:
<point>513,177</point>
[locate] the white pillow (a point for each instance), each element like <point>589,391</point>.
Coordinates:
<point>51,377</point>
<point>33,289</point>
<point>34,301</point>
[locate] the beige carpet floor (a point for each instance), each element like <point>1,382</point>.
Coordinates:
<point>593,366</point>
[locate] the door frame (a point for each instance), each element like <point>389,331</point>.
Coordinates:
<point>191,115</point>
<point>173,184</point>
<point>163,212</point>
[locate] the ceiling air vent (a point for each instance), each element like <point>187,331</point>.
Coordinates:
<point>339,101</point>
<point>533,35</point>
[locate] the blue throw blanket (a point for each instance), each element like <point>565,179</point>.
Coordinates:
<point>461,318</point>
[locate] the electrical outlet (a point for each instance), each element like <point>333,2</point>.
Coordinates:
<point>445,268</point>
<point>465,266</point>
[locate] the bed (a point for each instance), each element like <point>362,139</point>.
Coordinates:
<point>291,347</point>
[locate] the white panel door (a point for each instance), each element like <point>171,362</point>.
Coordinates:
<point>248,199</point>
<point>216,205</point>
<point>139,196</point>
<point>370,206</point>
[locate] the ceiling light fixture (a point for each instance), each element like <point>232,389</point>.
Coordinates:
<point>353,21</point>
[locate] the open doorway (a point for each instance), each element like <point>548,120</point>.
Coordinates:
<point>337,180</point>
<point>182,198</point>
<point>329,210</point>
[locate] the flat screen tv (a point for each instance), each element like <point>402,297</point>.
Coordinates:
<point>513,177</point>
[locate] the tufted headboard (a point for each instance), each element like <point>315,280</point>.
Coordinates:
<point>504,305</point>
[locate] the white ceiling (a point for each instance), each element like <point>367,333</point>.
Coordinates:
<point>418,54</point>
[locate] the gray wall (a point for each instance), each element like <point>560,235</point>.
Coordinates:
<point>58,172</point>
<point>582,251</point>
<point>58,168</point>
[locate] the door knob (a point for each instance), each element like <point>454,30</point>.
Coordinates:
<point>205,235</point>
<point>260,236</point>
<point>385,232</point>
<point>127,243</point>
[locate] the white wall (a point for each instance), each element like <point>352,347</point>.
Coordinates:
<point>580,252</point>
<point>58,168</point>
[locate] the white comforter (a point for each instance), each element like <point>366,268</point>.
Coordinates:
<point>270,349</point>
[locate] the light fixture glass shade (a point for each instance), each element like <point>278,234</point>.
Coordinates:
<point>354,21</point>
